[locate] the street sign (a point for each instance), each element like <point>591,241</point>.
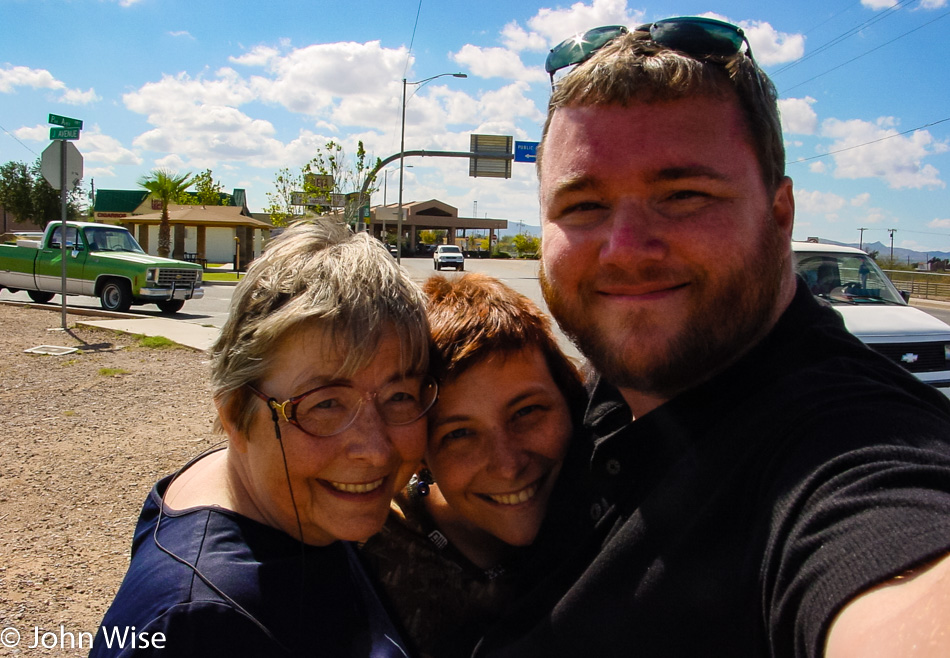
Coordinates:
<point>321,182</point>
<point>490,167</point>
<point>64,133</point>
<point>309,200</point>
<point>526,152</point>
<point>51,163</point>
<point>66,122</point>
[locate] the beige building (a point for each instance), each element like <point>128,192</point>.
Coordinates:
<point>207,234</point>
<point>433,215</point>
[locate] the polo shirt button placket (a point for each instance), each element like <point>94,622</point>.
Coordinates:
<point>596,511</point>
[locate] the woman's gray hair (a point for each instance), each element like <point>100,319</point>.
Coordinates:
<point>316,274</point>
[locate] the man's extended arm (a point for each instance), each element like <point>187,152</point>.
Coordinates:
<point>907,616</point>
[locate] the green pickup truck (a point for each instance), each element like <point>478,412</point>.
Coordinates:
<point>102,261</point>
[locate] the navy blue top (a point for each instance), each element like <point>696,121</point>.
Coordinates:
<point>222,584</point>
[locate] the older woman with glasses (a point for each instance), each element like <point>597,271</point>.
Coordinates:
<point>320,384</point>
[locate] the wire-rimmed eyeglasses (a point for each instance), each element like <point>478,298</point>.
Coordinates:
<point>331,409</point>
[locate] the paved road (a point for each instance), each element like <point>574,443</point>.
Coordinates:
<point>212,309</point>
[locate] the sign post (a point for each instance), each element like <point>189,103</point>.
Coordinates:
<point>68,178</point>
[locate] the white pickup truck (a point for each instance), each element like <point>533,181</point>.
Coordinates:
<point>875,311</point>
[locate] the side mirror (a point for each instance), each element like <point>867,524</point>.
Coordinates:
<point>905,295</point>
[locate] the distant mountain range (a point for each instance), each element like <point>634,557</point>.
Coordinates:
<point>883,251</point>
<point>514,228</point>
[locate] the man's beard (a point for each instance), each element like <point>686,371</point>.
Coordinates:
<point>726,318</point>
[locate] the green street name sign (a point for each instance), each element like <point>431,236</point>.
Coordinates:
<point>66,122</point>
<point>64,133</point>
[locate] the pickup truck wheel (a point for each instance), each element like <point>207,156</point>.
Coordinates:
<point>170,305</point>
<point>116,296</point>
<point>40,297</point>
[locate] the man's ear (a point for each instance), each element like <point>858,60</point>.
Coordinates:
<point>783,206</point>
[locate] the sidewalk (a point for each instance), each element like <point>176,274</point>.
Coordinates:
<point>183,333</point>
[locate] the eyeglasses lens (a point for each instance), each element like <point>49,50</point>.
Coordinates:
<point>579,48</point>
<point>331,409</point>
<point>697,36</point>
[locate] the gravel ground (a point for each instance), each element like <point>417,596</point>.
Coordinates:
<point>83,437</point>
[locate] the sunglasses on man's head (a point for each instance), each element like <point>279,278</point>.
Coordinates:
<point>693,35</point>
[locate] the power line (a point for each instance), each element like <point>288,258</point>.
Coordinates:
<point>887,43</point>
<point>887,13</point>
<point>831,18</point>
<point>19,142</point>
<point>875,141</point>
<point>412,39</point>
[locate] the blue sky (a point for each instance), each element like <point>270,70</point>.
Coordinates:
<point>245,88</point>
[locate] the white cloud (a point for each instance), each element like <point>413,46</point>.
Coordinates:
<point>308,80</point>
<point>939,223</point>
<point>181,33</point>
<point>496,63</point>
<point>933,4</point>
<point>515,37</point>
<point>818,167</point>
<point>198,119</point>
<point>38,133</point>
<point>559,24</point>
<point>878,4</point>
<point>89,173</point>
<point>177,93</point>
<point>769,46</point>
<point>23,76</point>
<point>798,117</point>
<point>861,199</point>
<point>97,147</point>
<point>77,97</point>
<point>257,56</point>
<point>874,216</point>
<point>876,150</point>
<point>12,77</point>
<point>819,203</point>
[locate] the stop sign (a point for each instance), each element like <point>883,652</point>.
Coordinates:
<point>51,163</point>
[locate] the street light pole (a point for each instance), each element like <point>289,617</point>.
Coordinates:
<point>402,155</point>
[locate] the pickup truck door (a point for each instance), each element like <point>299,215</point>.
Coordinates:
<point>49,263</point>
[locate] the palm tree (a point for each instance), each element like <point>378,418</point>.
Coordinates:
<point>167,186</point>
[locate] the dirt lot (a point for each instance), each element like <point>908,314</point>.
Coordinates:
<point>82,438</point>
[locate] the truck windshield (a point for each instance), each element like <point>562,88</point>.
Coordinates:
<point>106,239</point>
<point>845,277</point>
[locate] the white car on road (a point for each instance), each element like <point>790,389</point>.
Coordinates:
<point>875,311</point>
<point>448,255</point>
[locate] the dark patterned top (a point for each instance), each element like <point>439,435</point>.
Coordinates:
<point>442,599</point>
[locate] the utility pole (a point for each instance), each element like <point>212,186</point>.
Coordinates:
<point>861,239</point>
<point>892,231</point>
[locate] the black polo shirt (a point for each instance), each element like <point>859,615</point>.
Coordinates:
<point>739,517</point>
